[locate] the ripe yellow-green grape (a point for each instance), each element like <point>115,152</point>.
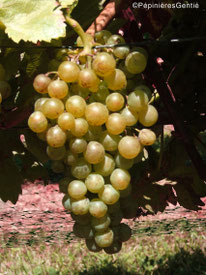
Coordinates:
<point>37,122</point>
<point>68,71</point>
<point>129,147</point>
<point>56,137</point>
<point>96,114</point>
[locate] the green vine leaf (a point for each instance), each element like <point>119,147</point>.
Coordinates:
<point>32,20</point>
<point>71,4</point>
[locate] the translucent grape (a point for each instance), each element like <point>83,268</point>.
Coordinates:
<point>147,137</point>
<point>80,127</point>
<point>109,141</point>
<point>94,182</point>
<point>136,62</point>
<point>106,166</point>
<point>148,116</point>
<point>123,68</point>
<point>96,114</point>
<point>39,103</point>
<point>97,208</point>
<point>40,83</point>
<point>76,105</point>
<point>77,189</point>
<point>122,162</point>
<point>37,122</point>
<point>102,36</point>
<point>66,121</point>
<point>78,90</point>
<point>137,100</point>
<point>77,145</point>
<point>131,117</point>
<point>80,207</point>
<point>129,147</point>
<point>114,102</point>
<point>115,124</point>
<point>115,39</point>
<point>68,71</point>
<point>58,88</point>
<point>92,246</point>
<point>104,239</point>
<point>116,80</point>
<point>145,89</point>
<point>56,153</point>
<point>81,169</point>
<point>108,194</point>
<point>103,64</point>
<point>120,179</point>
<point>52,108</point>
<point>56,137</point>
<point>100,224</point>
<point>121,52</point>
<point>88,79</point>
<point>94,152</point>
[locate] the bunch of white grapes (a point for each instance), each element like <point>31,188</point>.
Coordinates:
<point>86,119</point>
<point>5,88</point>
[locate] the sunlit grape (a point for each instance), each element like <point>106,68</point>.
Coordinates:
<point>58,88</point>
<point>116,80</point>
<point>131,117</point>
<point>56,137</point>
<point>115,124</point>
<point>66,121</point>
<point>52,108</point>
<point>103,64</point>
<point>120,179</point>
<point>97,208</point>
<point>40,83</point>
<point>102,36</point>
<point>94,182</point>
<point>68,71</point>
<point>108,194</point>
<point>76,105</point>
<point>39,103</point>
<point>115,39</point>
<point>148,116</point>
<point>94,152</point>
<point>96,114</point>
<point>80,206</point>
<point>114,102</point>
<point>80,127</point>
<point>129,147</point>
<point>37,122</point>
<point>121,52</point>
<point>88,79</point>
<point>147,137</point>
<point>137,100</point>
<point>77,189</point>
<point>104,239</point>
<point>136,62</point>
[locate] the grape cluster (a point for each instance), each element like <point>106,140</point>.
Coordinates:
<point>5,88</point>
<point>86,120</point>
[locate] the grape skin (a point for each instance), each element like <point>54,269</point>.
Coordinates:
<point>37,122</point>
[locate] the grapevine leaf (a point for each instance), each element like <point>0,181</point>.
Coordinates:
<point>35,146</point>
<point>11,62</point>
<point>10,181</point>
<point>71,4</point>
<point>32,20</point>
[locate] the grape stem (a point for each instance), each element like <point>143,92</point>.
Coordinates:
<point>87,49</point>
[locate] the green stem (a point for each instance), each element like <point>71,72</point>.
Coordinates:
<point>87,50</point>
